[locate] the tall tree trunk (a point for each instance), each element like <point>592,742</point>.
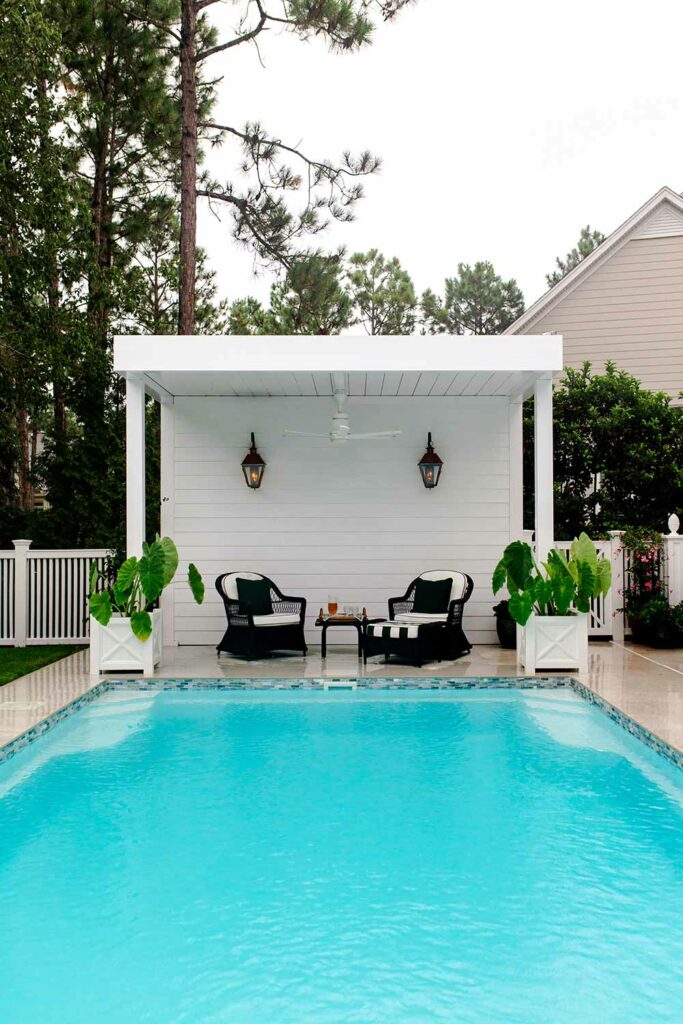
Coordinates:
<point>24,468</point>
<point>54,326</point>
<point>188,168</point>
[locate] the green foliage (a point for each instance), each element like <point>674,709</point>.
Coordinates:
<point>141,624</point>
<point>556,587</point>
<point>196,583</point>
<point>476,301</point>
<point>101,607</point>
<point>35,204</point>
<point>610,430</point>
<point>588,241</point>
<point>382,293</point>
<point>138,585</point>
<point>643,584</point>
<point>309,300</point>
<point>89,129</point>
<point>659,614</point>
<point>152,278</point>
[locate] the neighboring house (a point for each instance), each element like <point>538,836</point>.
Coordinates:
<point>624,302</point>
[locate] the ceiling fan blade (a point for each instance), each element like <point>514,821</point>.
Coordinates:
<point>301,433</point>
<point>376,433</point>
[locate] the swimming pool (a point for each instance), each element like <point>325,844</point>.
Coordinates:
<point>294,857</point>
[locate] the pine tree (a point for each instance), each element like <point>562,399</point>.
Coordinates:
<point>588,241</point>
<point>382,293</point>
<point>310,299</point>
<point>34,201</point>
<point>476,301</point>
<point>263,220</point>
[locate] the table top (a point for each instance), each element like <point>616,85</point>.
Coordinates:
<point>338,620</point>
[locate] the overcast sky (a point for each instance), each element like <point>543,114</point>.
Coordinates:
<point>503,129</point>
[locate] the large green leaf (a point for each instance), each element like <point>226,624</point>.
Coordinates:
<point>151,568</point>
<point>125,578</point>
<point>521,606</point>
<point>519,563</point>
<point>563,593</point>
<point>557,564</point>
<point>604,578</point>
<point>170,558</point>
<point>583,550</point>
<point>196,582</point>
<point>584,586</point>
<point>543,593</point>
<point>100,607</point>
<point>141,624</point>
<point>499,576</point>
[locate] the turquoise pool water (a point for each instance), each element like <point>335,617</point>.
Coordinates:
<point>307,858</point>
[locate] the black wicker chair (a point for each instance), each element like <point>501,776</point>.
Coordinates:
<point>422,637</point>
<point>255,635</point>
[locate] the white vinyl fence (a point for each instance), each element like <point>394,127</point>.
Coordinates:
<point>43,594</point>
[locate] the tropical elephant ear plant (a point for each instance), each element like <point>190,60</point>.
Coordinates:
<point>138,585</point>
<point>558,586</point>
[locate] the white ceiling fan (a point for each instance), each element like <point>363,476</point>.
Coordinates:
<point>340,429</point>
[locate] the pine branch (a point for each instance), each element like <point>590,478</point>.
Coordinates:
<point>237,41</point>
<point>145,19</point>
<point>255,140</point>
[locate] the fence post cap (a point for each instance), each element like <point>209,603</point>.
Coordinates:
<point>616,533</point>
<point>673,523</point>
<point>22,543</point>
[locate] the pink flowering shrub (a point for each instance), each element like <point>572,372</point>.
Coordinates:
<point>644,574</point>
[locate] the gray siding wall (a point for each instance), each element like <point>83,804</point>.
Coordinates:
<point>630,311</point>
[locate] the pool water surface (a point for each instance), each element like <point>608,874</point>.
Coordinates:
<point>317,858</point>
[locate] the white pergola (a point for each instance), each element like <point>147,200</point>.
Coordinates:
<point>514,367</point>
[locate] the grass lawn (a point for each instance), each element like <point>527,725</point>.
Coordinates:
<point>17,661</point>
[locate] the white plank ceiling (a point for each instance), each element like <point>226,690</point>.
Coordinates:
<point>375,384</point>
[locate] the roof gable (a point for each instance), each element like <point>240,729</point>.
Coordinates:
<point>660,216</point>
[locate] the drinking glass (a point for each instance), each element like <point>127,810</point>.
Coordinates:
<point>331,605</point>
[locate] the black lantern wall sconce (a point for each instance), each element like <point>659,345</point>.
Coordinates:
<point>430,465</point>
<point>253,466</point>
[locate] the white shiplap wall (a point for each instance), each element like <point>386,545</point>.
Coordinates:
<point>352,520</point>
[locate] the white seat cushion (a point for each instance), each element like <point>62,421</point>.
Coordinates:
<point>395,630</point>
<point>277,619</point>
<point>421,617</point>
<point>459,585</point>
<point>229,584</point>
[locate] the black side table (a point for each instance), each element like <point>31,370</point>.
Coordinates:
<point>341,620</point>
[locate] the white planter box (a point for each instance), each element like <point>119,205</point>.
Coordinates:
<point>115,648</point>
<point>550,642</point>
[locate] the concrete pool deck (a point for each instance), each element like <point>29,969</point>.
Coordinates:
<point>644,683</point>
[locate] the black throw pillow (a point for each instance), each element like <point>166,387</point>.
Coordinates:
<point>432,597</point>
<point>254,596</point>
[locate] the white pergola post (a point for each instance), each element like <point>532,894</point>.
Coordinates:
<point>543,465</point>
<point>135,466</point>
<point>516,448</point>
<point>167,514</point>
